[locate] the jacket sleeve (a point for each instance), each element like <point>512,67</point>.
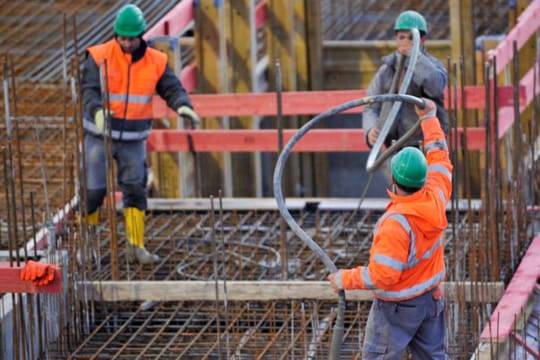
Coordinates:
<point>438,159</point>
<point>388,256</point>
<point>430,75</point>
<point>90,87</point>
<point>171,90</point>
<point>370,115</point>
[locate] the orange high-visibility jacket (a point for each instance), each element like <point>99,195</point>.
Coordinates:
<point>406,257</point>
<point>131,86</point>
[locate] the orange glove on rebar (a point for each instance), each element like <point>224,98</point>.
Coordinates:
<point>38,273</point>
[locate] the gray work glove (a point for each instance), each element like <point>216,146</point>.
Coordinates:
<point>429,111</point>
<point>185,110</point>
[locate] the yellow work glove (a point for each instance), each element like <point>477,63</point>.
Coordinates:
<point>99,120</point>
<point>187,111</point>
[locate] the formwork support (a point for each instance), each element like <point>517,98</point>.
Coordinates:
<point>173,174</point>
<point>513,309</point>
<point>242,61</point>
<point>212,79</point>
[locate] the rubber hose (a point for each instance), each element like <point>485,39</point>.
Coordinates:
<point>370,164</point>
<point>337,336</point>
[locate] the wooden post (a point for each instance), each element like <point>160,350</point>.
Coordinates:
<point>527,58</point>
<point>463,47</point>
<point>167,166</point>
<point>242,59</point>
<point>210,75</point>
<point>280,44</point>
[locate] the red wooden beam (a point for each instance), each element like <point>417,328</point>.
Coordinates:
<point>10,281</point>
<point>261,11</point>
<point>527,94</point>
<point>516,295</point>
<point>302,102</point>
<point>174,22</point>
<point>316,140</point>
<point>526,26</point>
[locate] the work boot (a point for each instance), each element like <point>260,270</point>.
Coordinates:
<point>135,237</point>
<point>141,255</point>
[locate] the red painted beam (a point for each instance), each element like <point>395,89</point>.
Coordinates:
<point>516,295</point>
<point>174,22</point>
<point>10,281</point>
<point>261,12</point>
<point>526,26</point>
<point>527,93</point>
<point>302,102</point>
<point>316,140</point>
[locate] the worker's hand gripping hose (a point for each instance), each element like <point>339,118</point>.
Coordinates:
<point>337,336</point>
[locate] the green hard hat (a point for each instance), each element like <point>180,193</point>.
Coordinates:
<point>409,167</point>
<point>129,21</point>
<point>411,19</point>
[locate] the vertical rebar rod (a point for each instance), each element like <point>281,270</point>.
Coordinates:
<point>497,173</point>
<point>65,103</point>
<point>279,117</point>
<point>225,265</point>
<point>19,158</point>
<point>11,241</point>
<point>216,276</point>
<point>109,170</point>
<point>9,172</point>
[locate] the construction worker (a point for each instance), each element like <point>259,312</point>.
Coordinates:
<point>134,73</point>
<point>406,263</point>
<point>429,80</point>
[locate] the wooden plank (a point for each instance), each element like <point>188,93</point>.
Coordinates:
<point>238,140</point>
<point>227,204</point>
<point>516,296</point>
<point>305,102</point>
<point>261,291</point>
<point>212,74</point>
<point>242,44</point>
<point>174,22</point>
<point>168,168</point>
<point>529,88</point>
<point>292,203</point>
<point>527,25</point>
<point>10,281</point>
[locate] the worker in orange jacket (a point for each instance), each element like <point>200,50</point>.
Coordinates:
<point>130,73</point>
<point>406,263</point>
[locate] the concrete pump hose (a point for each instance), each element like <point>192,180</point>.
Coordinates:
<point>337,336</point>
<point>371,164</point>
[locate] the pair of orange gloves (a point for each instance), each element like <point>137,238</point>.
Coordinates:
<point>38,273</point>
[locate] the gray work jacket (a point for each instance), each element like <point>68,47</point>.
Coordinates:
<point>429,80</point>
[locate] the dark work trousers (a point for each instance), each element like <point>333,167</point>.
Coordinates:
<point>130,157</point>
<point>418,323</point>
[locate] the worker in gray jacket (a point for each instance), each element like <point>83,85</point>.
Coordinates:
<point>429,80</point>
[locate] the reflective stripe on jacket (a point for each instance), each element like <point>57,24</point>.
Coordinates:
<point>132,86</point>
<point>406,257</point>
